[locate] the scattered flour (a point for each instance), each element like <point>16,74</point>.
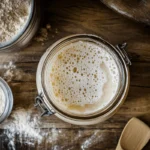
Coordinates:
<point>22,124</point>
<point>43,34</point>
<point>26,127</point>
<point>95,138</point>
<point>8,71</point>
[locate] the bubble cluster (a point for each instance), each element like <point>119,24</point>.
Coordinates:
<point>80,72</point>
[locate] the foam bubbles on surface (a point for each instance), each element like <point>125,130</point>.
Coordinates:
<point>83,76</point>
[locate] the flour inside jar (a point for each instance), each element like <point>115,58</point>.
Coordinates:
<point>14,18</point>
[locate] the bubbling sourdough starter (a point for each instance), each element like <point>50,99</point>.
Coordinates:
<point>83,78</point>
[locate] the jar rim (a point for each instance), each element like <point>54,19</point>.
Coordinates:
<point>40,77</point>
<point>8,100</point>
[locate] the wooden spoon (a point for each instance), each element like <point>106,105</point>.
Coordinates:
<point>135,135</point>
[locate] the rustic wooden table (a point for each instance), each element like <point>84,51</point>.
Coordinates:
<point>86,16</point>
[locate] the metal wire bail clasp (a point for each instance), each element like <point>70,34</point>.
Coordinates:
<point>121,48</point>
<point>39,103</point>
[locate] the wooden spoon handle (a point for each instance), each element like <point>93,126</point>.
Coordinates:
<point>119,147</point>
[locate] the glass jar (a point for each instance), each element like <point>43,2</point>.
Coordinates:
<point>27,33</point>
<point>47,103</point>
<point>8,100</point>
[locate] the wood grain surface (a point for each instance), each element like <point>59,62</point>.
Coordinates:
<point>85,16</point>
